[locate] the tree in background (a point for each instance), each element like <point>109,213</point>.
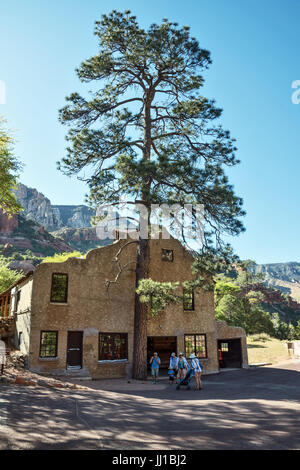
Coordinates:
<point>7,276</point>
<point>9,168</point>
<point>146,131</point>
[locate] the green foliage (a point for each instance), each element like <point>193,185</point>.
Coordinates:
<point>284,331</point>
<point>61,257</point>
<point>9,168</point>
<point>7,276</point>
<point>239,305</point>
<point>146,130</point>
<point>158,294</point>
<point>263,337</point>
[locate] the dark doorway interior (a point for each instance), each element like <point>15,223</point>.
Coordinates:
<point>164,346</point>
<point>230,353</point>
<point>74,350</point>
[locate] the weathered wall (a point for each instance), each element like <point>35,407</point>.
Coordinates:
<point>90,308</point>
<point>22,312</point>
<point>225,331</point>
<point>93,309</point>
<point>175,321</point>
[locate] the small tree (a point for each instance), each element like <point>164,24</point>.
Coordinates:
<point>147,132</point>
<point>7,276</point>
<point>9,168</point>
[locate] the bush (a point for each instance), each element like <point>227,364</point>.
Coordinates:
<point>259,337</point>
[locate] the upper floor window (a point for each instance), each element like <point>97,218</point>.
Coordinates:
<point>167,255</point>
<point>188,300</point>
<point>59,288</point>
<point>18,299</point>
<point>113,346</point>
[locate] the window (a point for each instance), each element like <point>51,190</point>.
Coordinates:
<point>167,255</point>
<point>224,347</point>
<point>188,300</point>
<point>59,288</point>
<point>20,338</point>
<point>18,299</point>
<point>48,346</point>
<point>194,344</point>
<point>112,346</point>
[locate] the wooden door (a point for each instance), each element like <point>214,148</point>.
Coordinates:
<point>74,349</point>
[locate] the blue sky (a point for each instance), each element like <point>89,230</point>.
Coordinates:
<point>254,48</point>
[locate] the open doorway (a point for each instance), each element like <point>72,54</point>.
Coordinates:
<point>230,353</point>
<point>164,346</point>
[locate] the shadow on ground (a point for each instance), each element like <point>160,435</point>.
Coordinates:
<point>245,409</point>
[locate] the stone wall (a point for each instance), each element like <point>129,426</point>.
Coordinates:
<point>225,331</point>
<point>175,321</point>
<point>92,308</point>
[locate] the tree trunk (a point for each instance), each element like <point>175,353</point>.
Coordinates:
<point>140,315</point>
<point>143,259</point>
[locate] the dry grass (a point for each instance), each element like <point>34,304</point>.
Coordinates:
<point>263,348</point>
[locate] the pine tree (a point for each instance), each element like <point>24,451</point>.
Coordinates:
<point>146,131</point>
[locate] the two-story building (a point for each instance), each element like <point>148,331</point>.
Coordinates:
<point>68,321</point>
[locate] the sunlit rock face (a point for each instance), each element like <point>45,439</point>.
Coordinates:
<point>8,224</point>
<point>37,207</point>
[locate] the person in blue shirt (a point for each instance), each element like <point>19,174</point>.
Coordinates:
<point>196,370</point>
<point>173,368</point>
<point>155,363</point>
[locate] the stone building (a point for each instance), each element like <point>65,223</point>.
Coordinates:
<point>67,321</point>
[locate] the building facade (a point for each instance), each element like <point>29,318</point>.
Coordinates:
<point>69,321</point>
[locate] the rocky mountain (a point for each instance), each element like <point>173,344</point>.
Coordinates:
<point>282,276</point>
<point>37,207</point>
<point>81,239</point>
<point>24,243</point>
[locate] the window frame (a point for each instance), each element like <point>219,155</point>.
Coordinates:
<point>65,301</point>
<point>56,344</point>
<point>163,251</point>
<point>187,291</point>
<point>225,346</point>
<point>195,348</point>
<point>114,334</point>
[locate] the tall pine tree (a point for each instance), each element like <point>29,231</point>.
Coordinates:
<point>146,131</point>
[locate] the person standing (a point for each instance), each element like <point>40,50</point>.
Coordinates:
<point>155,363</point>
<point>173,368</point>
<point>182,366</point>
<point>2,355</point>
<point>196,370</point>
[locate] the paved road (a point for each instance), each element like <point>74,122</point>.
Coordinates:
<point>243,409</point>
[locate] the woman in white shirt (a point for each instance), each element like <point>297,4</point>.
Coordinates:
<point>197,369</point>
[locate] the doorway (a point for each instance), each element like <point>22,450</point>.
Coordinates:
<point>164,346</point>
<point>74,350</point>
<point>230,353</point>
